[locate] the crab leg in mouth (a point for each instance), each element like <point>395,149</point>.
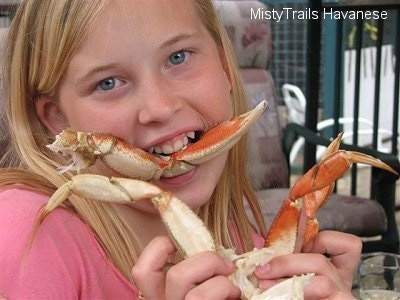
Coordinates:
<point>220,138</point>
<point>129,161</point>
<point>213,142</point>
<point>85,148</point>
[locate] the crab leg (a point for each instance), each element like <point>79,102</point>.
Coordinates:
<point>175,214</point>
<point>295,224</point>
<point>86,148</point>
<point>185,228</point>
<point>127,160</point>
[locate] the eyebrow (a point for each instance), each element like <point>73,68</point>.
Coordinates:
<point>95,70</point>
<point>179,37</point>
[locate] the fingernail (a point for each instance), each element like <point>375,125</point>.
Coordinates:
<point>262,269</point>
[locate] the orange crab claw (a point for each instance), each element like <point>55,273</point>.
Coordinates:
<point>213,142</point>
<point>220,138</point>
<point>295,224</point>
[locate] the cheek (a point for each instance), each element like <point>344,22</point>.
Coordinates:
<point>85,114</point>
<point>215,94</point>
<point>88,116</point>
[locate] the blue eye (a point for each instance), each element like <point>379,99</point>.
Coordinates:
<point>107,84</point>
<point>178,57</point>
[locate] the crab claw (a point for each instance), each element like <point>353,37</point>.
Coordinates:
<point>214,141</point>
<point>295,223</point>
<point>86,148</point>
<point>330,169</point>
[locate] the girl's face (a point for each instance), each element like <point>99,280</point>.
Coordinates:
<point>149,72</point>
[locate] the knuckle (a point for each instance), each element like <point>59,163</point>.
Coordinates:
<point>138,272</point>
<point>356,242</point>
<point>210,260</point>
<point>325,284</point>
<point>321,287</point>
<point>174,276</point>
<point>322,261</point>
<point>162,242</point>
<point>223,290</point>
<point>194,295</point>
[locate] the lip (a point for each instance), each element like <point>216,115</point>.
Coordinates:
<point>179,180</point>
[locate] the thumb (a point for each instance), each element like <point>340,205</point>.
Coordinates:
<point>148,273</point>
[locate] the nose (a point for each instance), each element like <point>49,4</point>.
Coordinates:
<point>159,102</point>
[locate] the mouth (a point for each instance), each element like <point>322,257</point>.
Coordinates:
<point>164,150</point>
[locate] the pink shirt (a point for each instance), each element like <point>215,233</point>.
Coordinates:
<point>65,261</point>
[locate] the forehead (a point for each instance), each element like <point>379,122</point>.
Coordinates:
<point>143,18</point>
<point>129,31</point>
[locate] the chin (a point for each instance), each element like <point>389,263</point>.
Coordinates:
<point>194,202</point>
<point>194,195</point>
<point>195,187</point>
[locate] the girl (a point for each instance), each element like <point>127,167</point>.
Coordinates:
<point>150,72</point>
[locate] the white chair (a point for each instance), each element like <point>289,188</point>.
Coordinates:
<point>295,103</point>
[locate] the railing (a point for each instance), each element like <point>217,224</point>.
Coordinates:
<point>313,89</point>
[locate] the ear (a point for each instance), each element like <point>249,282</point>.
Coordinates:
<point>50,114</point>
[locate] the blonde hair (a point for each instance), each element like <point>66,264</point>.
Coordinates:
<point>42,38</point>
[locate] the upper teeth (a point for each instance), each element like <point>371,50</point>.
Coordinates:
<point>177,145</point>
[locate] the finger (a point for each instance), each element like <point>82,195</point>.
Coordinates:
<point>148,272</point>
<point>321,287</point>
<point>285,266</point>
<point>218,287</point>
<point>193,271</point>
<point>342,296</point>
<point>327,281</point>
<point>343,249</point>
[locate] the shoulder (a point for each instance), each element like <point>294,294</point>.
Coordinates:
<point>25,263</point>
<point>19,196</point>
<point>19,210</point>
<point>63,255</point>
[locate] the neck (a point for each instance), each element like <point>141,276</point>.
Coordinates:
<point>144,222</point>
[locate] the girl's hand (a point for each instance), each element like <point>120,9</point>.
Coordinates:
<point>202,276</point>
<point>332,256</point>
